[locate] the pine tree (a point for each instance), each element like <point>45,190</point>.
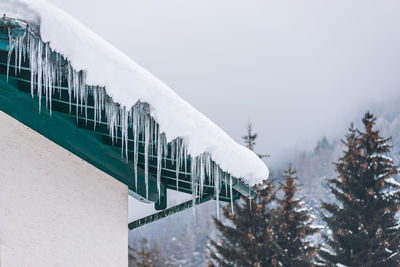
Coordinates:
<point>363,227</point>
<point>143,255</point>
<point>293,226</point>
<point>250,138</point>
<point>246,237</point>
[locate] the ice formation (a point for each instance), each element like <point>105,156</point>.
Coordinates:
<point>129,96</point>
<point>47,75</point>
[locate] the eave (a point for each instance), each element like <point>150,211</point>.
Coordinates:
<point>74,130</point>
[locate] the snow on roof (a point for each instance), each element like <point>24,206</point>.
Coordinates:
<point>127,83</point>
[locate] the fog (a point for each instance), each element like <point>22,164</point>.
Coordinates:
<point>297,70</point>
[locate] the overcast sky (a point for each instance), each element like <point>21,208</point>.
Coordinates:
<point>297,69</point>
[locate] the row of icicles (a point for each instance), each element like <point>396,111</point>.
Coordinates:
<point>49,69</point>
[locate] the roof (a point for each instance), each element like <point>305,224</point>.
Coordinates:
<point>96,102</point>
<point>126,83</point>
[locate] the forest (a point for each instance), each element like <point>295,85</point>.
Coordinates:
<point>354,223</point>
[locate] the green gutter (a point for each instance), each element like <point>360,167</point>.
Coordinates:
<point>162,214</point>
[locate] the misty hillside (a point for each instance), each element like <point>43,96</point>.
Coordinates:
<point>315,167</point>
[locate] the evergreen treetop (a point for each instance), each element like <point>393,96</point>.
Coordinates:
<point>362,222</point>
<point>264,232</point>
<point>293,225</point>
<point>250,137</point>
<point>246,238</point>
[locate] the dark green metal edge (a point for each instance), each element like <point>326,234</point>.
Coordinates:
<point>165,213</point>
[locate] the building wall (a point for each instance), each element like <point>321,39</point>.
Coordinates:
<point>56,209</point>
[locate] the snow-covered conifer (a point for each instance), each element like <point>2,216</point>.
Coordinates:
<point>293,226</point>
<point>362,224</point>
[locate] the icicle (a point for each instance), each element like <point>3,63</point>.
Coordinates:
<point>159,157</point>
<point>39,73</point>
<point>216,187</point>
<point>194,184</point>
<point>124,131</point>
<point>185,159</point>
<point>165,150</point>
<point>12,45</point>
<point>202,175</point>
<point>135,142</point>
<point>173,145</point>
<point>146,155</point>
<point>15,54</point>
<point>20,47</point>
<point>95,105</point>
<point>32,59</point>
<point>250,198</point>
<point>231,193</point>
<point>76,89</point>
<point>177,162</point>
<point>151,132</point>
<point>209,170</point>
<point>226,185</point>
<point>69,82</point>
<point>46,74</point>
<point>85,100</point>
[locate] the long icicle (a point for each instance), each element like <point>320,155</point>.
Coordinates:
<point>146,155</point>
<point>231,193</point>
<point>135,143</point>
<point>177,162</point>
<point>216,186</point>
<point>194,184</point>
<point>159,158</point>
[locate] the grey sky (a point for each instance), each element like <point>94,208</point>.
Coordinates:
<point>297,69</point>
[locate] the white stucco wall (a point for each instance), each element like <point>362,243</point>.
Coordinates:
<point>56,209</point>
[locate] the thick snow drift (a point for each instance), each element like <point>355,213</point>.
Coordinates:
<point>127,83</point>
